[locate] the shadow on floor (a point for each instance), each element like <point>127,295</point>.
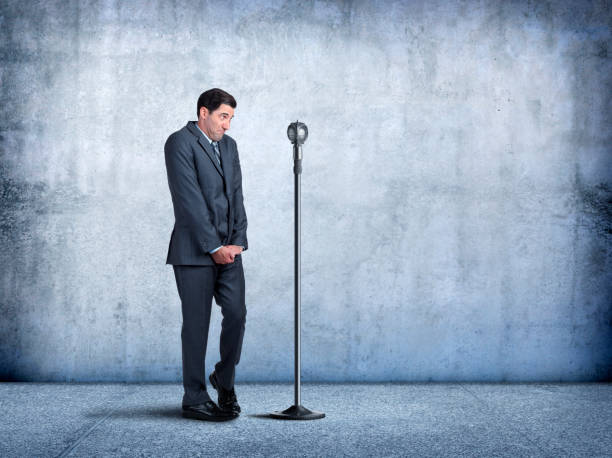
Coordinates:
<point>153,412</point>
<point>138,412</point>
<point>264,416</point>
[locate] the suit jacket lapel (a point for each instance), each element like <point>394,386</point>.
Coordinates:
<point>208,149</point>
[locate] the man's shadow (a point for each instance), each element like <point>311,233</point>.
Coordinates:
<point>153,412</point>
<point>139,412</point>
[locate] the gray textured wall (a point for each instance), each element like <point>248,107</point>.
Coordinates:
<point>456,187</point>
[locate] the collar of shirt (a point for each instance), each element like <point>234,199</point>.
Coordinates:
<point>205,136</point>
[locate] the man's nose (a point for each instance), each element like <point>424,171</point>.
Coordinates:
<point>226,125</point>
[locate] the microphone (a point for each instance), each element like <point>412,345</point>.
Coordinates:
<point>297,132</point>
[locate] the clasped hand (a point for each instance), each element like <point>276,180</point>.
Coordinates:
<point>226,254</point>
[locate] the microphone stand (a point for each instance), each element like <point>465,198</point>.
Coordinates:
<point>297,411</point>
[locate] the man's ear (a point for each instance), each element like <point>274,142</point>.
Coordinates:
<point>203,112</point>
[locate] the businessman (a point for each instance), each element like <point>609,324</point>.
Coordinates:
<point>205,250</point>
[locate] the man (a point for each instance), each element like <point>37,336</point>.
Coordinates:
<point>205,250</point>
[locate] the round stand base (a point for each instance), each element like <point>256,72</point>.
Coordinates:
<point>297,413</point>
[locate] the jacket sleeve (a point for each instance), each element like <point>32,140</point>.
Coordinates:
<point>239,236</point>
<point>190,208</point>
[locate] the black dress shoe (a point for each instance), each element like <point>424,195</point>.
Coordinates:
<point>208,412</point>
<point>227,398</point>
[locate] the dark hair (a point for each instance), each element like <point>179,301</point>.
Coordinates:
<point>213,98</point>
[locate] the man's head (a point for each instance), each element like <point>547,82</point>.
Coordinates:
<point>215,112</point>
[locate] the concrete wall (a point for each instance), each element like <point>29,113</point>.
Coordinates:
<point>456,188</point>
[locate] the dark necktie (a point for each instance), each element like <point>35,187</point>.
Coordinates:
<point>217,153</point>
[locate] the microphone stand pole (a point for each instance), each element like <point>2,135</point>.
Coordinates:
<point>297,256</point>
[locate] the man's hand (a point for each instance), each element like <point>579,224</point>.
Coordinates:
<point>237,249</point>
<point>226,254</point>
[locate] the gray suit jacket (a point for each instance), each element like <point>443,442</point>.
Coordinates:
<point>207,198</point>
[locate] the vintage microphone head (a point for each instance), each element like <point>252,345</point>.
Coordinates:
<point>297,133</point>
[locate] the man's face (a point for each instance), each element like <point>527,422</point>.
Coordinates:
<point>216,123</point>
